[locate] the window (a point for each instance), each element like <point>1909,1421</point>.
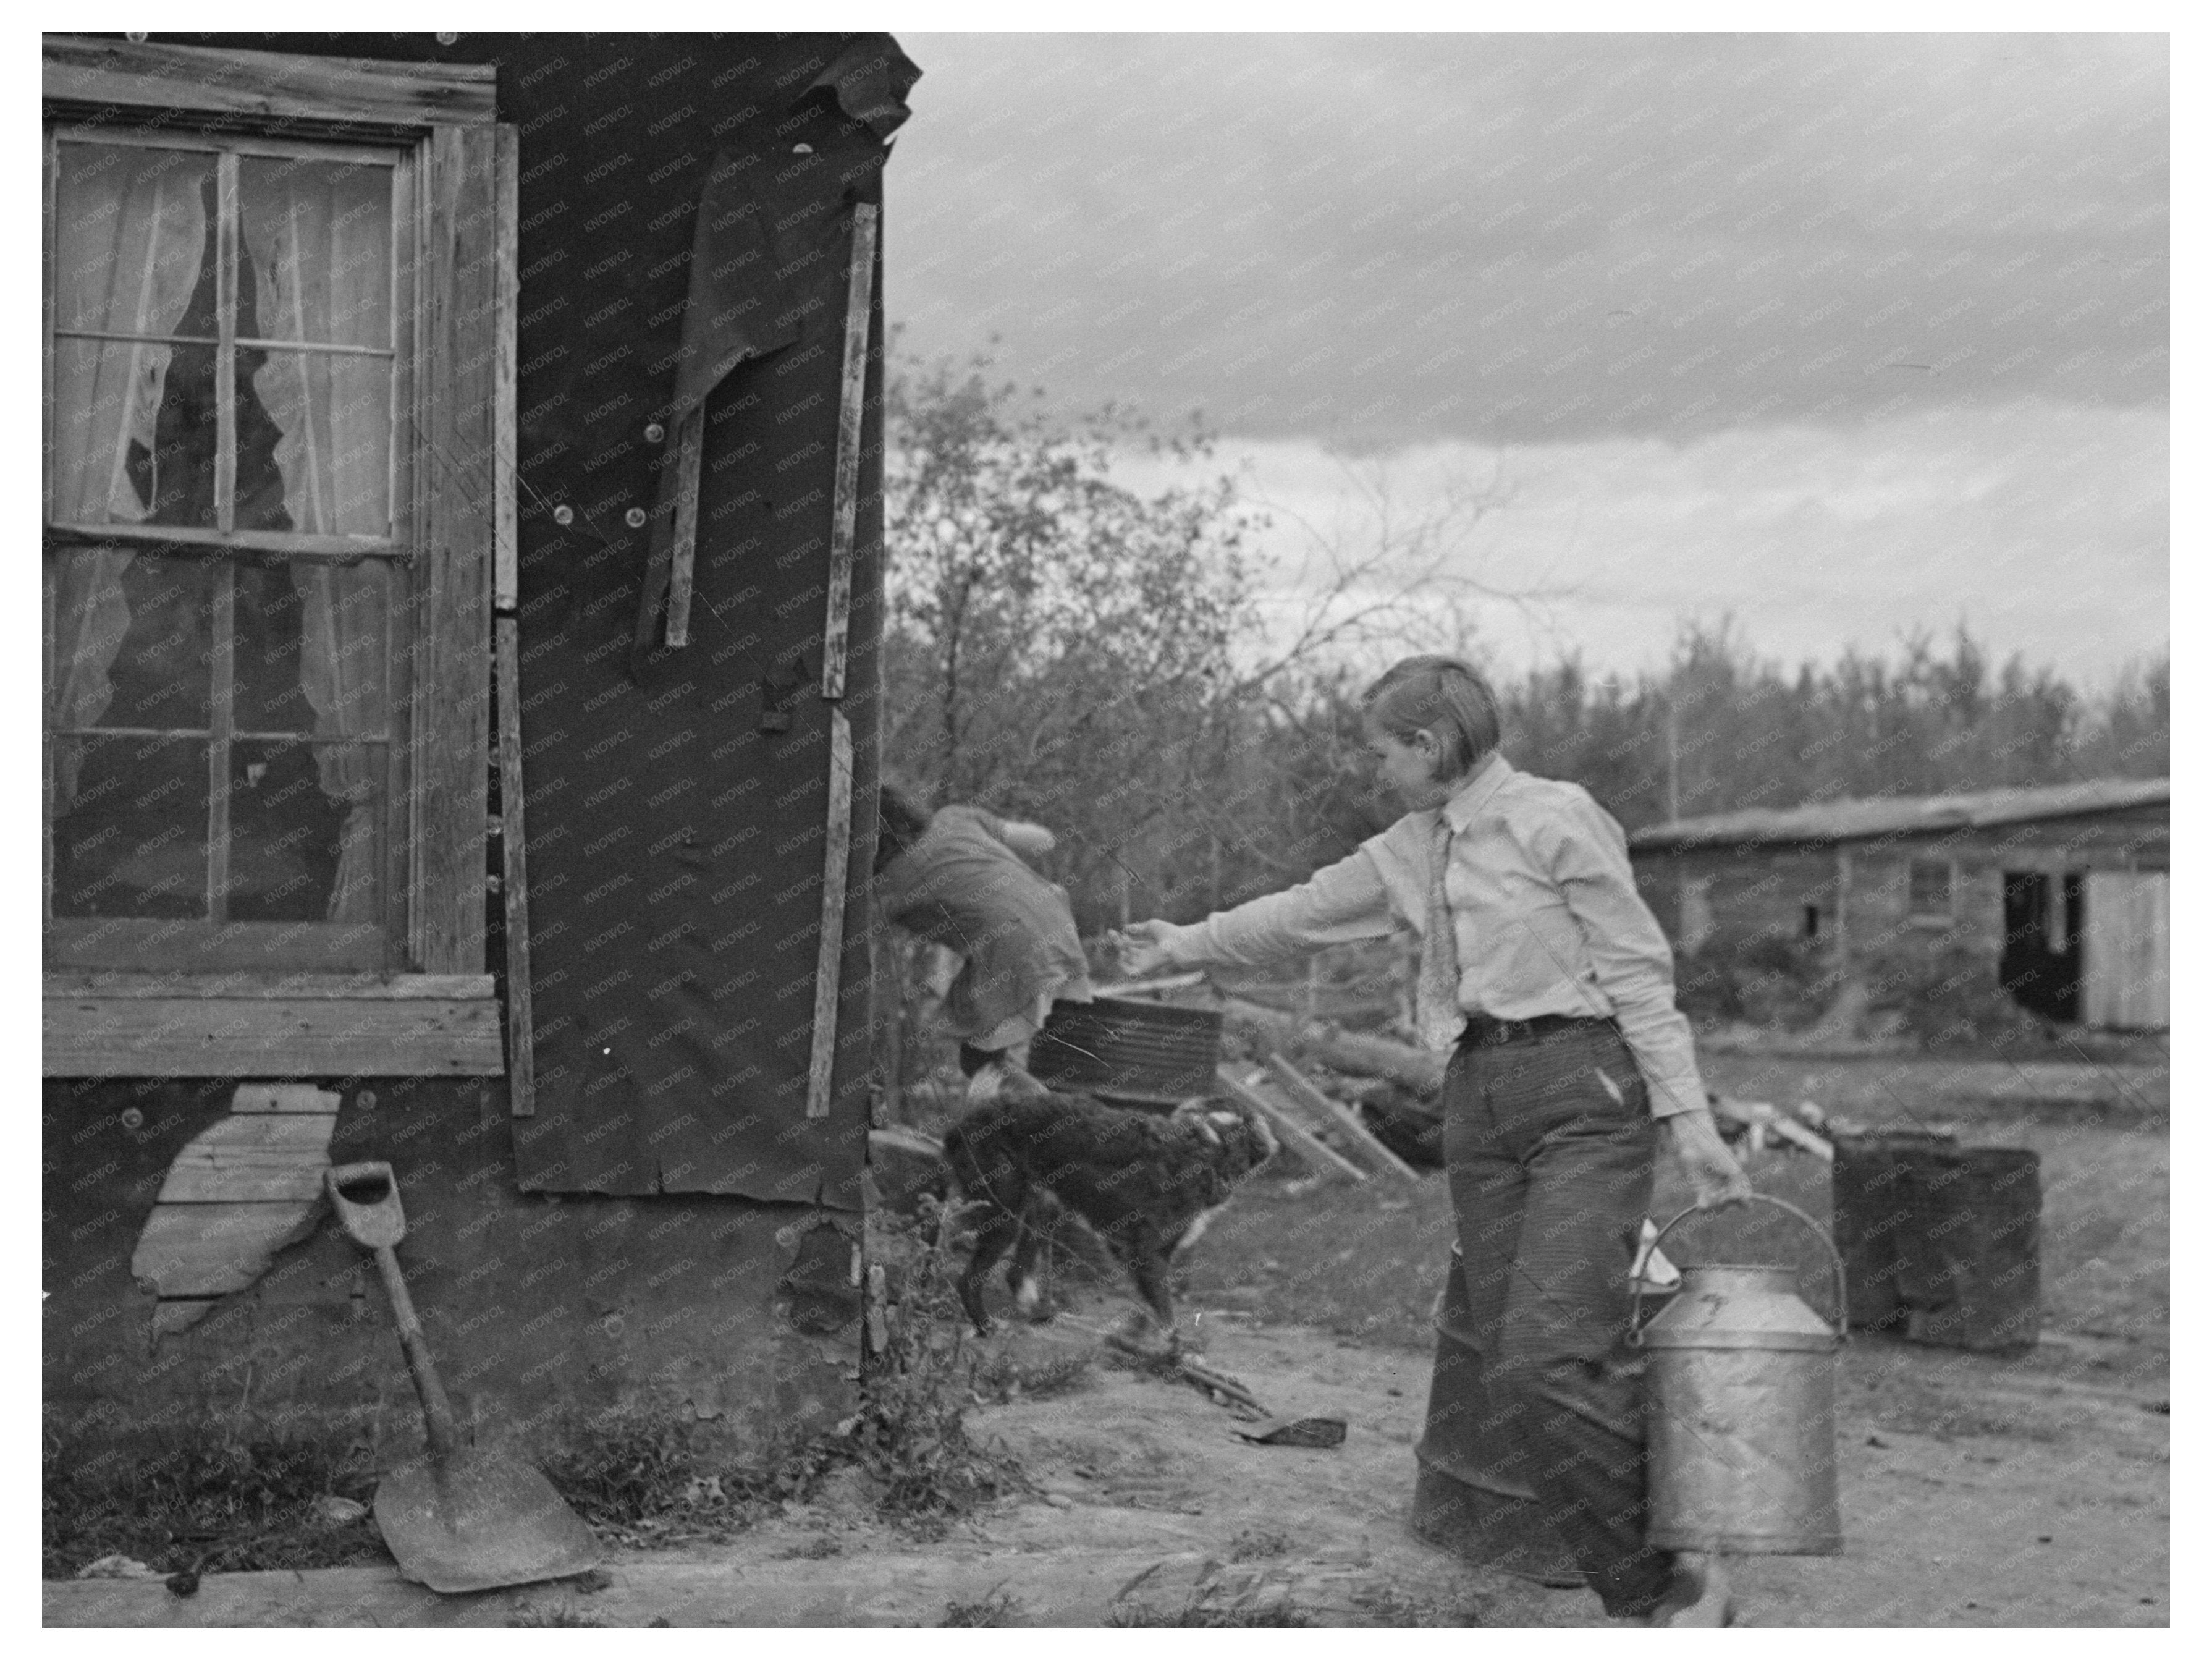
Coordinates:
<point>277,305</point>
<point>228,352</point>
<point>1929,897</point>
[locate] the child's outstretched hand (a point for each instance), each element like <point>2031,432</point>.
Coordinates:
<point>1141,947</point>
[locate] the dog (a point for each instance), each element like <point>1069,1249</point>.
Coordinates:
<point>1146,1184</point>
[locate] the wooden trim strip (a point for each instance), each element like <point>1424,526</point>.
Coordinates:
<point>270,1037</point>
<point>258,541</point>
<point>514,883</point>
<point>506,290</point>
<point>851,402</point>
<point>446,988</point>
<point>836,852</point>
<point>683,529</point>
<point>353,92</point>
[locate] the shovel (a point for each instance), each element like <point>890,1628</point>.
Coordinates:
<point>461,1519</point>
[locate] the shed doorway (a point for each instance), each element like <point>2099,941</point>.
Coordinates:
<point>2041,964</point>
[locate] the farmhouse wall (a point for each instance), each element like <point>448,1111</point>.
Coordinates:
<point>539,1308</point>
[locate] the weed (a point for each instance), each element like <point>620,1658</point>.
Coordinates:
<point>647,1473</point>
<point>1257,1544</point>
<point>1402,1610</point>
<point>910,1432</point>
<point>565,1618</point>
<point>998,1609</point>
<point>206,1508</point>
<point>1004,1378</point>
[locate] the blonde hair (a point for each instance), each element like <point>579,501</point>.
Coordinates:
<point>1444,696</point>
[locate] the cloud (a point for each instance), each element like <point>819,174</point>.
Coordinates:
<point>1378,238</point>
<point>2040,526</point>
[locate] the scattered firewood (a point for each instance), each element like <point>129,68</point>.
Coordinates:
<point>1340,1050</point>
<point>1172,1362</point>
<point>1300,1088</point>
<point>1765,1122</point>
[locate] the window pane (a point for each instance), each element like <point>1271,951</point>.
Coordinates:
<point>303,823</point>
<point>134,434</point>
<point>332,444</point>
<point>131,237</point>
<point>131,821</point>
<point>317,237</point>
<point>132,645</point>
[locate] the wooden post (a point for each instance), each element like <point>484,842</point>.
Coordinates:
<point>1842,911</point>
<point>837,843</point>
<point>514,884</point>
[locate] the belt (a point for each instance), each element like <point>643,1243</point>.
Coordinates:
<point>1483,1031</point>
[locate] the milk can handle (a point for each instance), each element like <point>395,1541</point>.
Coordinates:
<point>1843,1314</point>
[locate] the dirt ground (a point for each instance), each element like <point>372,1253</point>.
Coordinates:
<point>1977,1491</point>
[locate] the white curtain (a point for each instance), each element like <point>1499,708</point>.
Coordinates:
<point>130,234</point>
<point>319,239</point>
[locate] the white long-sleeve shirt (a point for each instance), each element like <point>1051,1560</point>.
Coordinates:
<point>1544,914</point>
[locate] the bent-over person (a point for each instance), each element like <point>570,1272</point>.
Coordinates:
<point>956,877</point>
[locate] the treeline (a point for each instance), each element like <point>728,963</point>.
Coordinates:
<point>1062,649</point>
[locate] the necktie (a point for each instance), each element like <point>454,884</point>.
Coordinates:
<point>1436,997</point>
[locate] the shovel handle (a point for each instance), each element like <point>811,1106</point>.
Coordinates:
<point>439,1426</point>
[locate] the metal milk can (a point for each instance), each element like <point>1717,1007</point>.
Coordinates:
<point>1739,1412</point>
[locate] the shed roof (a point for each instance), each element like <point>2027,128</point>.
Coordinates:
<point>1824,822</point>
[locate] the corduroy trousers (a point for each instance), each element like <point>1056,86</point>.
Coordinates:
<point>1549,1146</point>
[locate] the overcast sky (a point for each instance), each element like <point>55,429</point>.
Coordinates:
<point>1840,334</point>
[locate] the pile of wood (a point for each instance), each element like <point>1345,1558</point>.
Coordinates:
<point>1373,1108</point>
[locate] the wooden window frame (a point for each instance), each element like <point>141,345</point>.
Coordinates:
<point>1933,919</point>
<point>428,1009</point>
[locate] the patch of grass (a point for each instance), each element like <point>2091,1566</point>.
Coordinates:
<point>996,1609</point>
<point>213,1508</point>
<point>647,1473</point>
<point>1257,1545</point>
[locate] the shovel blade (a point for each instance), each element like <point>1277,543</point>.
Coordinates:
<point>476,1520</point>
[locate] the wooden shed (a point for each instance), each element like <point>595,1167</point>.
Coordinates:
<point>463,533</point>
<point>2059,890</point>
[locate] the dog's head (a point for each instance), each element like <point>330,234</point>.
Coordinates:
<point>1239,1138</point>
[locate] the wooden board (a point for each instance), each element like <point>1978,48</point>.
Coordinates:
<point>507,292</point>
<point>284,1097</point>
<point>2125,955</point>
<point>396,987</point>
<point>350,91</point>
<point>210,1251</point>
<point>1300,1089</point>
<point>1319,1157</point>
<point>514,881</point>
<point>683,545</point>
<point>449,724</point>
<point>851,406</point>
<point>248,1037</point>
<point>836,852</point>
<point>256,1156</point>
